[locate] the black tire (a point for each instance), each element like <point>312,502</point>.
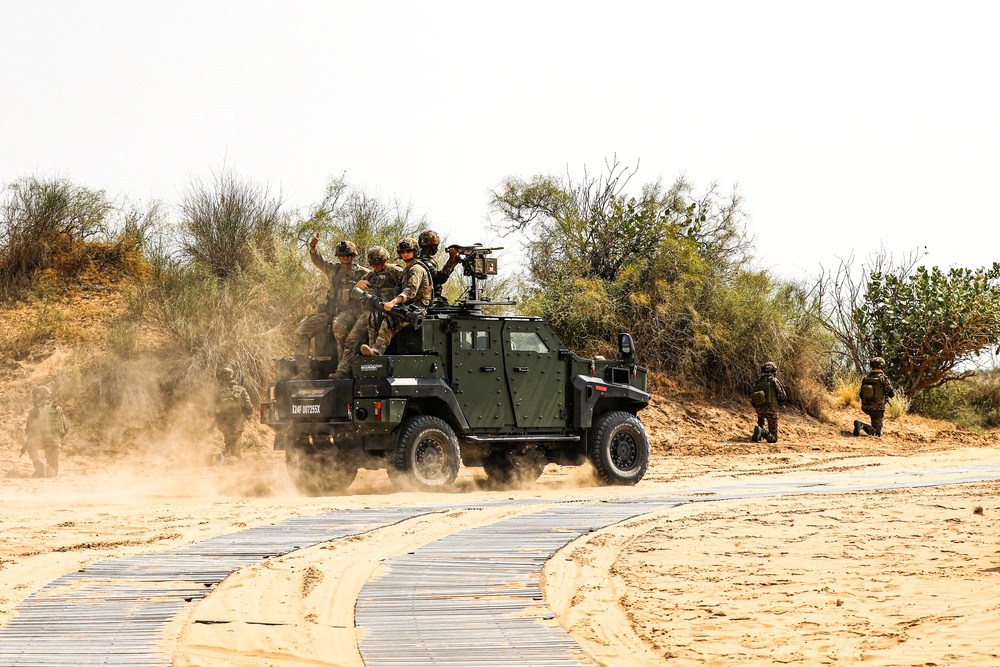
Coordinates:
<point>513,468</point>
<point>426,455</point>
<point>618,448</point>
<point>321,473</point>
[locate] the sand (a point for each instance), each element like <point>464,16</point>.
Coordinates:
<point>844,576</point>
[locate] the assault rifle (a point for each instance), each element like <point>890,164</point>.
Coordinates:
<point>405,312</point>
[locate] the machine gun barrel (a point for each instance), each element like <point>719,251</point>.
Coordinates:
<point>404,312</point>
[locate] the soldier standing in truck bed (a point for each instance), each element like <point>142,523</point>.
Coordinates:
<point>385,281</point>
<point>875,390</point>
<point>340,311</point>
<point>416,289</point>
<point>429,242</point>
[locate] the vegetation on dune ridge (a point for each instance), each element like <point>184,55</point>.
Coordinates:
<point>223,279</point>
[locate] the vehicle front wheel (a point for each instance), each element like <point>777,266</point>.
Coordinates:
<point>426,454</point>
<point>618,448</point>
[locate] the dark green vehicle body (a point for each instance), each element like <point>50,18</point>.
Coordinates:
<point>497,392</point>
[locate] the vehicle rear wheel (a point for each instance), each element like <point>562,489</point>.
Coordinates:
<point>322,473</point>
<point>618,448</point>
<point>426,455</point>
<point>514,467</point>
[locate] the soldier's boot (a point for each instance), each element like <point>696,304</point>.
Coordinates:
<point>372,350</point>
<point>868,429</point>
<point>857,428</point>
<point>770,436</point>
<point>340,374</point>
<point>757,430</point>
<point>41,470</point>
<point>765,434</point>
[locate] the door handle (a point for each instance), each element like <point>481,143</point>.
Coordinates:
<point>521,369</point>
<point>488,369</point>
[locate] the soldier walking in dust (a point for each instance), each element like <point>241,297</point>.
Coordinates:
<point>44,432</point>
<point>232,408</point>
<point>875,390</point>
<point>416,289</point>
<point>340,311</point>
<point>429,242</point>
<point>767,393</point>
<point>385,282</point>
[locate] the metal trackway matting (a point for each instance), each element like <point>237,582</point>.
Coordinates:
<point>474,598</point>
<point>113,612</point>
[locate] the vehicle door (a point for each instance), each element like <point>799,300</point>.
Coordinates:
<point>535,374</point>
<point>478,375</point>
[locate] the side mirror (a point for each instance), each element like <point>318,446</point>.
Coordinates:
<point>626,348</point>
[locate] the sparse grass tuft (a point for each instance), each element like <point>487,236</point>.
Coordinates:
<point>897,406</point>
<point>846,388</point>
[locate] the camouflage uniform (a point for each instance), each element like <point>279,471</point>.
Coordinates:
<point>44,431</point>
<point>874,407</point>
<point>767,412</point>
<point>339,312</point>
<point>428,243</point>
<point>416,288</point>
<point>384,284</point>
<point>232,407</point>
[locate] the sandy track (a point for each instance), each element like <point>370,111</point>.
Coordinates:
<point>729,592</point>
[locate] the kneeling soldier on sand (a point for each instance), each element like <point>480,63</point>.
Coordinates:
<point>767,393</point>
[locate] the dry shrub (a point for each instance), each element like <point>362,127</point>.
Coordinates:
<point>846,388</point>
<point>897,406</point>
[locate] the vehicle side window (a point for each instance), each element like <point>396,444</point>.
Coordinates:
<point>527,341</point>
<point>465,340</point>
<point>482,340</point>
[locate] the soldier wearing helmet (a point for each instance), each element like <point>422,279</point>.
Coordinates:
<point>415,288</point>
<point>428,241</point>
<point>44,433</point>
<point>339,312</point>
<point>875,390</point>
<point>768,392</point>
<point>232,407</point>
<point>384,281</point>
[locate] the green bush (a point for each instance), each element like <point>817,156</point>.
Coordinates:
<point>672,268</point>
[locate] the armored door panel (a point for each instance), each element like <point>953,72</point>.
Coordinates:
<point>535,374</point>
<point>478,376</point>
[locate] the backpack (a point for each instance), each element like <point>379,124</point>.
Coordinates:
<point>872,390</point>
<point>764,394</point>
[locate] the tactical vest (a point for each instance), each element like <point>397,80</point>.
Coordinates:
<point>385,285</point>
<point>872,390</point>
<point>764,394</point>
<point>341,283</point>
<point>230,404</point>
<point>48,422</point>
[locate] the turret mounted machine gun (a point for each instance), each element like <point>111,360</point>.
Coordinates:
<point>404,312</point>
<point>477,265</point>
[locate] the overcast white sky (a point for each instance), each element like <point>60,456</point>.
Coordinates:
<point>848,126</point>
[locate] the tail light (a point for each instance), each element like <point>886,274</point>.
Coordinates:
<point>378,411</point>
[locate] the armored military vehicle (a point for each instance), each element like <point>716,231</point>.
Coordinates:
<point>462,386</point>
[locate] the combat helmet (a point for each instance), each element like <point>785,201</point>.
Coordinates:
<point>409,243</point>
<point>225,373</point>
<point>768,367</point>
<point>40,393</point>
<point>346,249</point>
<point>429,241</point>
<point>878,362</point>
<point>377,255</point>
